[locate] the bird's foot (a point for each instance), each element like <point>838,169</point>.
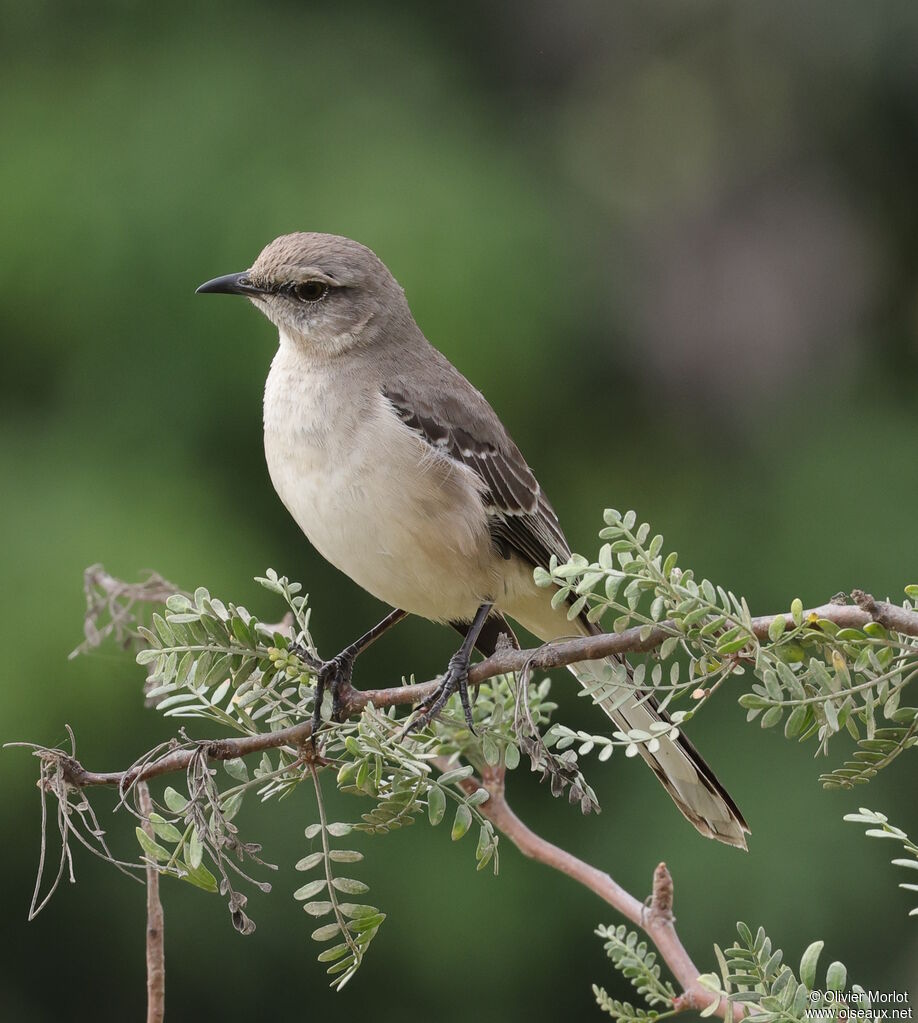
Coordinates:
<point>456,679</point>
<point>332,677</point>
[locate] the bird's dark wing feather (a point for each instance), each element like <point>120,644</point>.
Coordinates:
<point>463,426</point>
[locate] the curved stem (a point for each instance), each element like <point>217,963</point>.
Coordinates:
<point>656,920</point>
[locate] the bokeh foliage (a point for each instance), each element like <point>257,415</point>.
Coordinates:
<point>677,249</point>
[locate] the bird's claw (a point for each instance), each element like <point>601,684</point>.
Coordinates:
<point>455,679</point>
<point>332,676</point>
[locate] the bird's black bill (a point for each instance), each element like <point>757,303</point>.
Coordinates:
<point>229,284</point>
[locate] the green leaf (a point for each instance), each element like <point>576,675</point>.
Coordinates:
<point>436,805</point>
<point>733,645</point>
<point>200,877</point>
<point>576,608</point>
<point>776,628</point>
<point>345,855</point>
<point>836,975</point>
<point>165,633</point>
<point>184,668</point>
<point>462,822</point>
<point>366,923</point>
<point>167,832</point>
<point>772,686</point>
<point>148,636</point>
<point>308,890</point>
<point>310,861</point>
<point>216,697</point>
<point>772,717</point>
<point>334,952</point>
<point>217,672</point>
<point>231,804</point>
<point>236,767</point>
<point>490,751</point>
<point>795,722</point>
<point>808,964</point>
<point>241,631</point>
<point>752,701</point>
<point>541,577</point>
<point>175,800</point>
<point>350,886</point>
<point>457,774</point>
<point>668,647</point>
<point>194,850</point>
<point>151,848</point>
<point>357,911</point>
<point>317,908</point>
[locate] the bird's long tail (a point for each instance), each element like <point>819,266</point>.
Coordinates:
<point>680,768</point>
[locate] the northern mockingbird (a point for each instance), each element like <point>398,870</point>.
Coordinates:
<point>401,475</point>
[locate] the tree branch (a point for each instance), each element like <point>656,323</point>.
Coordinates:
<point>156,958</point>
<point>655,919</point>
<point>550,655</point>
<point>890,616</point>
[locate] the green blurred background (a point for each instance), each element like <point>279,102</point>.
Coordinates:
<point>675,245</point>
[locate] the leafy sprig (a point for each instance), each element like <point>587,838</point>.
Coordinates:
<point>753,972</point>
<point>217,661</point>
<point>881,828</point>
<point>816,677</point>
<point>354,924</point>
<point>633,958</point>
<point>401,776</point>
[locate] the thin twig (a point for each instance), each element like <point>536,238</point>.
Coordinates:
<point>156,959</point>
<point>34,907</point>
<point>110,605</point>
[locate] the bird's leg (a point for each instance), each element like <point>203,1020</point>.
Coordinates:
<point>456,678</point>
<point>335,675</point>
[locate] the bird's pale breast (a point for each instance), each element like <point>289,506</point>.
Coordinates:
<point>404,522</point>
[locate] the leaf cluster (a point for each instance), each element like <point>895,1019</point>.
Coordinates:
<point>217,661</point>
<point>632,957</point>
<point>819,679</point>
<point>753,972</point>
<point>881,828</point>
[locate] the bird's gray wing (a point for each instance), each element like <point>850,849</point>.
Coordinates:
<point>456,420</point>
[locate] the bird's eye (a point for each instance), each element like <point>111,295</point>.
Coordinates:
<point>310,291</point>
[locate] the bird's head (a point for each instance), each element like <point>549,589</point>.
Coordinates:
<point>323,292</point>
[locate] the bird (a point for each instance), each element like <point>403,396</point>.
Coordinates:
<point>401,475</point>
